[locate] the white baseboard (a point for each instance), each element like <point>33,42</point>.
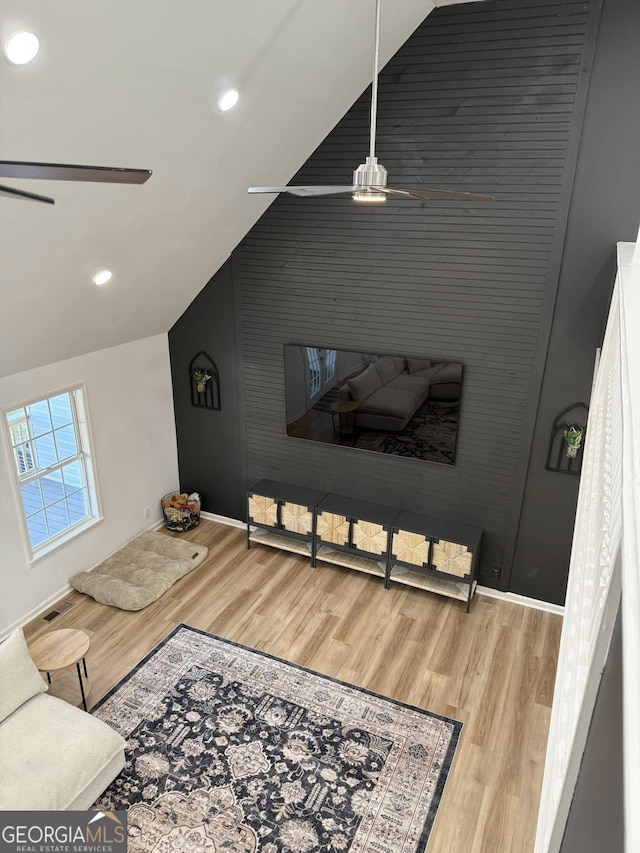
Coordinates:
<point>511,597</point>
<point>36,611</point>
<point>41,608</point>
<point>222,519</point>
<point>523,600</point>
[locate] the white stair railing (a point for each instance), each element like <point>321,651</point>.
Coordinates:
<point>629,275</point>
<point>593,591</point>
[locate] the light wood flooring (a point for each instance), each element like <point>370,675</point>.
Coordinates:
<point>493,669</point>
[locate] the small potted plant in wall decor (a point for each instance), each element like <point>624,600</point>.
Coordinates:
<point>200,377</point>
<point>573,437</point>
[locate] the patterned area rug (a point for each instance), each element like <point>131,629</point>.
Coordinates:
<point>430,434</point>
<point>233,750</point>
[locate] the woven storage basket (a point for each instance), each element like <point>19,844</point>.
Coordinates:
<point>183,518</point>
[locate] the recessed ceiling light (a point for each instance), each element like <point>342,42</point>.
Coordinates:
<point>102,277</point>
<point>21,47</point>
<point>228,100</point>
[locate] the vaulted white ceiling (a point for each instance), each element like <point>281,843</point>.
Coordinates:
<point>134,83</point>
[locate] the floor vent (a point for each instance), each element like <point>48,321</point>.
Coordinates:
<point>62,608</point>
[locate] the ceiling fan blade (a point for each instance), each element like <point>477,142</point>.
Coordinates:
<point>10,191</point>
<point>64,172</point>
<point>409,193</point>
<point>303,191</point>
<point>436,194</point>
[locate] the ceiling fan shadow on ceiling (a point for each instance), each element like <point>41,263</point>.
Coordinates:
<point>63,172</point>
<point>370,178</point>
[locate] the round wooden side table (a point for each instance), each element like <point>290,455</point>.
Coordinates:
<point>346,421</point>
<point>60,650</point>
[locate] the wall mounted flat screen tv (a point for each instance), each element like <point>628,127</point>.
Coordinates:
<point>394,404</point>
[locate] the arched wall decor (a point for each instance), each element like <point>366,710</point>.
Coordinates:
<point>575,416</point>
<point>205,382</point>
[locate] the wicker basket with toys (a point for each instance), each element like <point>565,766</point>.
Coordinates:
<point>181,510</point>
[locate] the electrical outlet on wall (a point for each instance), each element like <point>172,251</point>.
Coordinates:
<point>147,512</point>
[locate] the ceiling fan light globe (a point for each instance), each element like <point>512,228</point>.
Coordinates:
<point>368,196</point>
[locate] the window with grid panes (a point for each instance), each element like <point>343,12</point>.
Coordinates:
<point>321,364</point>
<point>315,371</point>
<point>52,464</point>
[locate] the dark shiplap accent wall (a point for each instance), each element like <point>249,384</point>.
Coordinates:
<point>605,209</point>
<point>210,446</point>
<point>481,98</point>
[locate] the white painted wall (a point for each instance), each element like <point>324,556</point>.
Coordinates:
<point>130,404</point>
<point>146,97</point>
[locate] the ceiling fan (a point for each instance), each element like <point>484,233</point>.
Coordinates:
<point>370,178</point>
<point>62,172</point>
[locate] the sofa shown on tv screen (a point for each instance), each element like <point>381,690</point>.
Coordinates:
<point>401,405</point>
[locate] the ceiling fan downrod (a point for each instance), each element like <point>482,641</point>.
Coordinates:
<point>371,174</point>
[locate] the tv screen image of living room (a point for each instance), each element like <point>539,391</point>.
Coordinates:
<point>394,404</point>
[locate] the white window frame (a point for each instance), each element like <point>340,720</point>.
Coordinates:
<point>314,372</point>
<point>321,372</point>
<point>330,362</point>
<point>84,455</point>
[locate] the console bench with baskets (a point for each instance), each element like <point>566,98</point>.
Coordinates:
<point>434,554</point>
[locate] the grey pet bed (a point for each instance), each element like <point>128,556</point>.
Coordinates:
<point>140,572</point>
